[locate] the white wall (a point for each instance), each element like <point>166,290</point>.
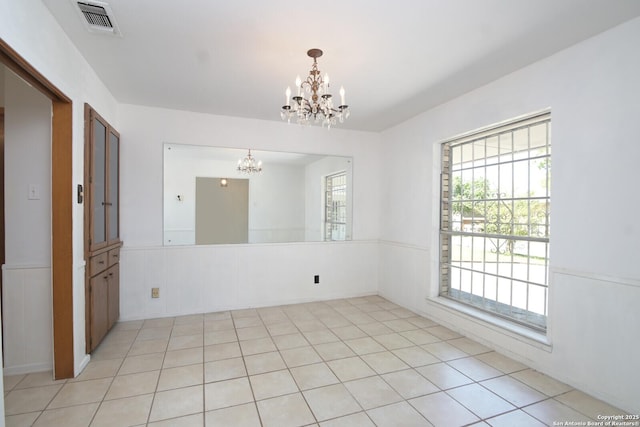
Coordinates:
<point>28,344</point>
<point>29,28</point>
<point>144,129</point>
<point>205,278</point>
<point>27,164</point>
<point>198,279</point>
<point>592,90</point>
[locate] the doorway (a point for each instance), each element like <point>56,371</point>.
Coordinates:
<point>222,210</point>
<point>61,207</point>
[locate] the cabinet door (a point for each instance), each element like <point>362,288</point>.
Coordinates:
<point>99,308</point>
<point>113,187</point>
<point>98,184</point>
<point>103,145</point>
<point>114,294</point>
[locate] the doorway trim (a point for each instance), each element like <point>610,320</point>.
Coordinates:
<point>61,208</point>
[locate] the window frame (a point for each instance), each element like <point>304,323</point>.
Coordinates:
<point>447,233</point>
<point>331,222</point>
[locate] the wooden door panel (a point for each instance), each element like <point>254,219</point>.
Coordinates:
<point>114,294</point>
<point>99,308</point>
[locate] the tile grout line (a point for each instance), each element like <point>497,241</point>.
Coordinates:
<point>164,356</point>
<point>204,377</point>
<point>244,363</point>
<point>316,312</point>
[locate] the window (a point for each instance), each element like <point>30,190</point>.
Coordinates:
<point>335,207</point>
<point>494,220</point>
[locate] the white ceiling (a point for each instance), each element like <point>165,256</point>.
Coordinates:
<point>394,58</point>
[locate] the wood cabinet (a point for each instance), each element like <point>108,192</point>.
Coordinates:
<point>102,227</point>
<point>104,296</point>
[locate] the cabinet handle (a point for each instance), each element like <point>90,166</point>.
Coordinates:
<point>101,262</point>
<point>107,204</point>
<point>105,277</point>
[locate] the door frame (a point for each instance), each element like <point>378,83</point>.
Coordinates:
<point>2,230</point>
<point>61,208</point>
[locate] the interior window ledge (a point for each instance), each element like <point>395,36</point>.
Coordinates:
<point>495,323</point>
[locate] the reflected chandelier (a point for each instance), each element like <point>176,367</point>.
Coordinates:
<point>313,102</point>
<point>249,165</point>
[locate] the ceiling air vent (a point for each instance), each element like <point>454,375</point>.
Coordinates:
<point>98,17</point>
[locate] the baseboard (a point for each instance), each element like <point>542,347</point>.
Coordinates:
<point>27,369</point>
<point>249,306</point>
<point>83,364</point>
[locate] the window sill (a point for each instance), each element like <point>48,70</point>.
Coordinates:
<point>495,323</point>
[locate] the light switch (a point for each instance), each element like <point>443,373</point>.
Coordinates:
<point>34,192</point>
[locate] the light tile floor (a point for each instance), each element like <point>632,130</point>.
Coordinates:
<point>349,362</point>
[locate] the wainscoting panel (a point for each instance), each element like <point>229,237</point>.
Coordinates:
<point>199,279</point>
<point>404,274</point>
<point>593,323</point>
<point>595,327</point>
<point>27,319</point>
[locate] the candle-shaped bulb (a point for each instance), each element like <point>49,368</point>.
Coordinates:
<point>287,94</point>
<point>342,95</point>
<point>298,84</point>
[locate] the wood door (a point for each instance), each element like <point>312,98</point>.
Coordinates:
<point>99,308</point>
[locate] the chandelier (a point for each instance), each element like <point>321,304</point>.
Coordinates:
<point>249,165</point>
<point>313,102</point>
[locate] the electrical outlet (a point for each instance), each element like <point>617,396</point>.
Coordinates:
<point>155,292</point>
<point>316,279</point>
